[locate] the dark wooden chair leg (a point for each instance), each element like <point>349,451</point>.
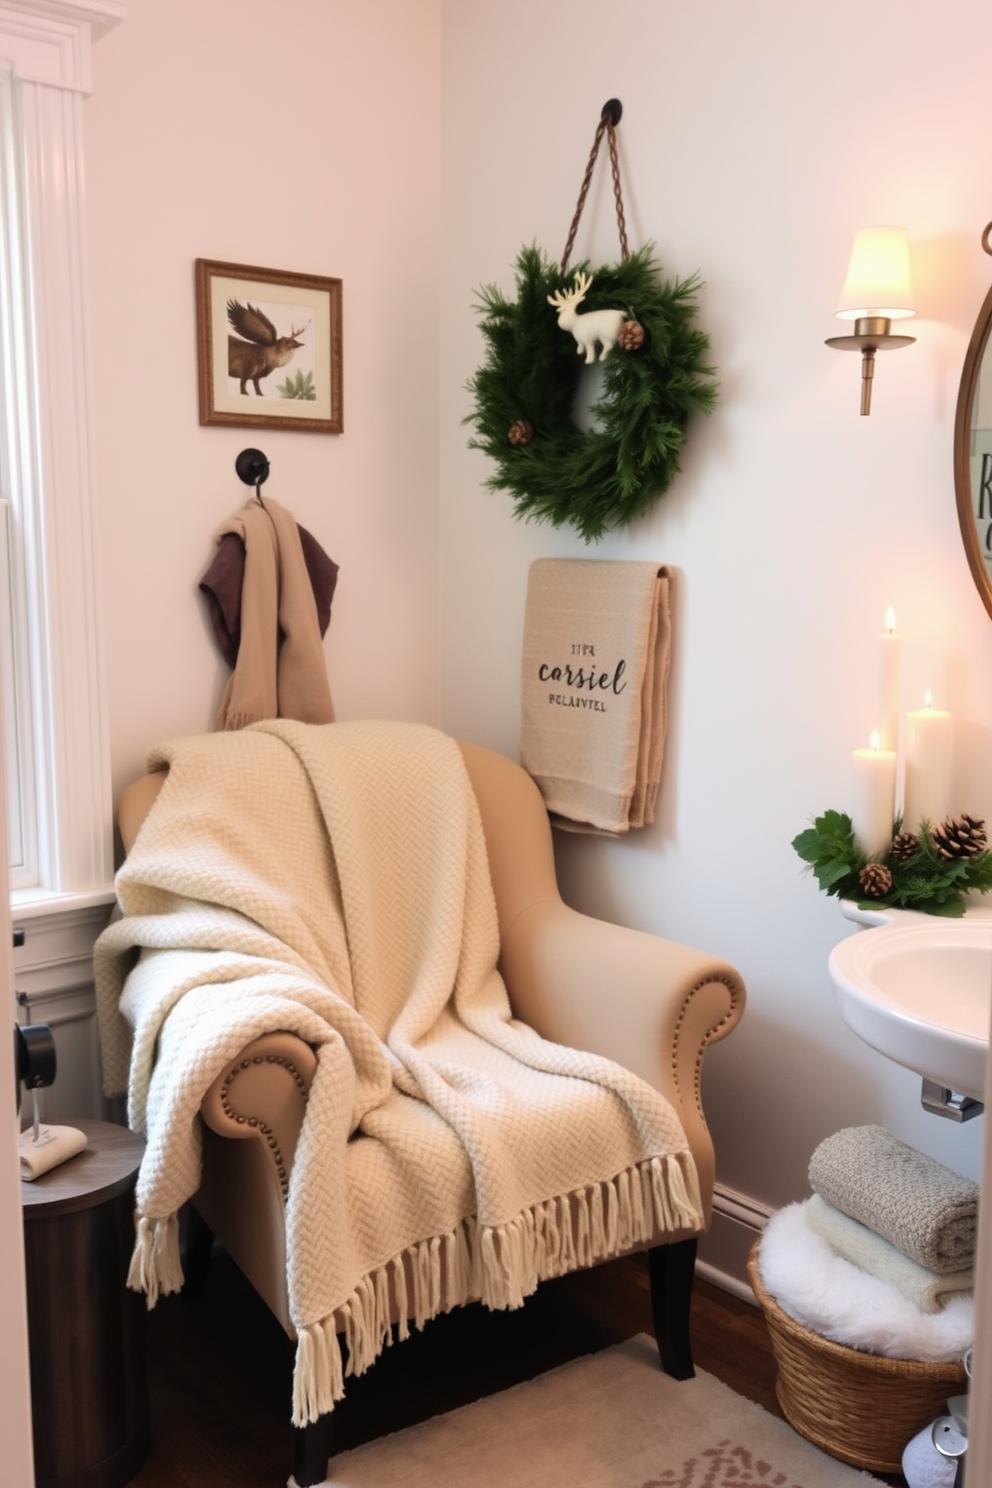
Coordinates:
<point>197,1249</point>
<point>672,1268</point>
<point>312,1447</point>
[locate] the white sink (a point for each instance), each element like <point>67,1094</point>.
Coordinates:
<point>920,993</point>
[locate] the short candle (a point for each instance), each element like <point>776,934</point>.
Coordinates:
<point>874,796</point>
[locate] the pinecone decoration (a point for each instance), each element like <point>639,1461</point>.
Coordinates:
<point>960,837</point>
<point>905,845</point>
<point>875,879</point>
<point>520,432</point>
<point>631,335</point>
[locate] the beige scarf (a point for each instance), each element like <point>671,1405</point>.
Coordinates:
<point>333,882</point>
<point>280,671</point>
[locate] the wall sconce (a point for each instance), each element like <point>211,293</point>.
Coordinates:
<point>876,292</point>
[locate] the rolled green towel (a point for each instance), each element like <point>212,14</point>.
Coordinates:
<point>927,1211</point>
<point>880,1258</point>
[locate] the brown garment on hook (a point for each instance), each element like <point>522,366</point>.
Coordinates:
<point>223,580</point>
<point>275,637</point>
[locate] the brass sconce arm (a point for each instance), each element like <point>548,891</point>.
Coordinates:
<point>871,333</point>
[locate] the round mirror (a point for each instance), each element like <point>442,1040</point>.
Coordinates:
<point>973,448</point>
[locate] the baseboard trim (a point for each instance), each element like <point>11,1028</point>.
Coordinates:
<point>737,1222</point>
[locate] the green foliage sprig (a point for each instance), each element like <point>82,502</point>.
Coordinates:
<point>609,475</point>
<point>924,881</point>
<point>299,385</point>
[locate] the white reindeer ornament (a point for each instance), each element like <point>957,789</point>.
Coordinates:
<point>594,326</point>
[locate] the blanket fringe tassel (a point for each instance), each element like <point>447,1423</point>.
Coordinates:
<point>501,1265</point>
<point>156,1268</point>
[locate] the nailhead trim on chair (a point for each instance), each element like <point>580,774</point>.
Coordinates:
<point>253,1121</point>
<point>711,1035</point>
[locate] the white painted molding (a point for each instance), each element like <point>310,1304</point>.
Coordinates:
<point>737,1222</point>
<point>48,41</point>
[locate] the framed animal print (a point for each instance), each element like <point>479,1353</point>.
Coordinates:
<point>269,348</point>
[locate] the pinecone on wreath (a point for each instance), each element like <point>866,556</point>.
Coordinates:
<point>520,432</point>
<point>875,879</point>
<point>905,845</point>
<point>631,335</point>
<point>960,837</point>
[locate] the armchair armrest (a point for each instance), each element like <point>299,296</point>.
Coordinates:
<point>259,1099</point>
<point>650,1004</point>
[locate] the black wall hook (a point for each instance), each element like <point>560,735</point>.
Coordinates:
<point>253,468</point>
<point>614,108</point>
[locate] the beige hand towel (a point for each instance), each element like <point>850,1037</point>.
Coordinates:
<point>55,1144</point>
<point>597,644</point>
<point>862,1247</point>
<point>927,1211</point>
<point>280,671</point>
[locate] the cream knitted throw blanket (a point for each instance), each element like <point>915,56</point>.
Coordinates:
<point>332,881</point>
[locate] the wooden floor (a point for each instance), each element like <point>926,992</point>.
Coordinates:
<point>220,1367</point>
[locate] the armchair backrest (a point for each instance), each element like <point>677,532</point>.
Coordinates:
<point>514,820</point>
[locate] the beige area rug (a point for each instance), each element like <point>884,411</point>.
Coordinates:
<point>609,1420</point>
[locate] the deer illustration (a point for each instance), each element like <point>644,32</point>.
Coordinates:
<point>595,325</point>
<point>262,350</point>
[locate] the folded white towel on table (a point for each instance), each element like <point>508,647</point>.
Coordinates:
<point>55,1144</point>
<point>597,644</point>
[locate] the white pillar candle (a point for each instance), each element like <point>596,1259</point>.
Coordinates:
<point>928,765</point>
<point>889,680</point>
<point>874,797</point>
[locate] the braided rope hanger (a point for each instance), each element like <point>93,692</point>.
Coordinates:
<point>609,118</point>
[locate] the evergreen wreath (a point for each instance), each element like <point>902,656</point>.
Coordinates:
<point>525,390</point>
<point>930,870</point>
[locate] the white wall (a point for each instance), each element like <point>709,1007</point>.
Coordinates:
<point>301,137</point>
<point>755,139</point>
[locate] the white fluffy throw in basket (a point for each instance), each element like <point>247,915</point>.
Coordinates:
<point>838,1300</point>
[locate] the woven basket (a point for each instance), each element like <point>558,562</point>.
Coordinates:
<point>857,1406</point>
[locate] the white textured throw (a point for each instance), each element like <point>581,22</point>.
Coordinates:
<point>332,881</point>
<point>596,650</point>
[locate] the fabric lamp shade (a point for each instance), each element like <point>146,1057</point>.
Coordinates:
<point>878,280</point>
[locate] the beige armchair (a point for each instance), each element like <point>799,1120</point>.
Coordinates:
<point>649,1004</point>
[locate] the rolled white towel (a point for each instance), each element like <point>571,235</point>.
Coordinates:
<point>862,1247</point>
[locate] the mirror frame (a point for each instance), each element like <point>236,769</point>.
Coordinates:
<point>962,438</point>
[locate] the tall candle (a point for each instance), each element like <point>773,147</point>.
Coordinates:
<point>889,678</point>
<point>928,765</point>
<point>874,796</point>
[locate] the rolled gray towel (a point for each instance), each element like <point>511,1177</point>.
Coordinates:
<point>927,1211</point>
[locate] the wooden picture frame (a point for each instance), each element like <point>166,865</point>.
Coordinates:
<point>268,348</point>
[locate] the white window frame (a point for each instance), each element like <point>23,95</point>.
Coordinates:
<point>45,50</point>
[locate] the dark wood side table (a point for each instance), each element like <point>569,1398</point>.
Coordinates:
<point>89,1391</point>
